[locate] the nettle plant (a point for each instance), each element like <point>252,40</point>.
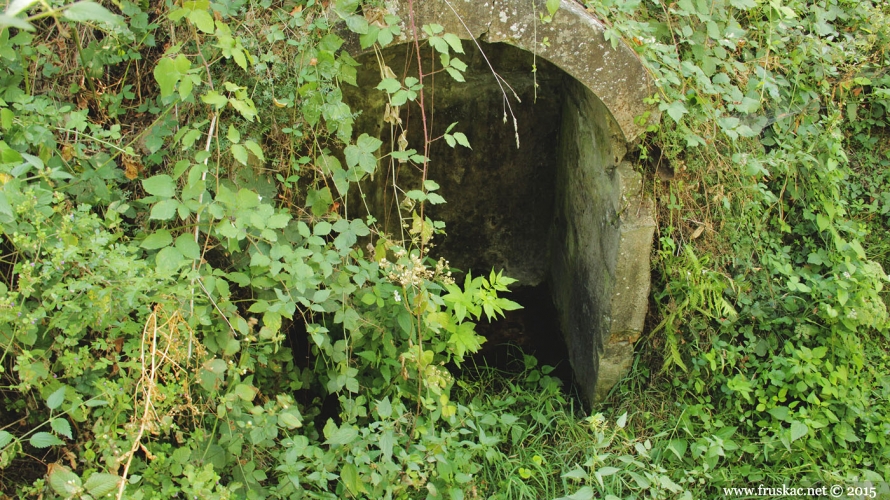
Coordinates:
<point>178,197</point>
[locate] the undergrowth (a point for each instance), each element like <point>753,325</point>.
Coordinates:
<point>195,301</point>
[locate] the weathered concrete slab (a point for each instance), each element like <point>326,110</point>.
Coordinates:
<point>577,45</point>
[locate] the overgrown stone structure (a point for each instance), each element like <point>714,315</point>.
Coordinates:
<point>563,208</point>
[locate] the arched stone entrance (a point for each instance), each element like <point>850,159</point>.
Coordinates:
<point>564,208</point>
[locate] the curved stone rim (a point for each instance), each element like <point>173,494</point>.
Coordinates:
<point>577,45</point>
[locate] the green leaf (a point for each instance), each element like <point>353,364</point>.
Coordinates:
<point>384,408</point>
<point>246,392</point>
<point>552,6</point>
<point>203,20</point>
<point>341,436</point>
<point>164,209</point>
<point>159,239</point>
<point>462,139</point>
<point>240,154</point>
<point>798,430</point>
<point>88,11</point>
<point>166,76</point>
<point>15,22</point>
<point>289,420</point>
<point>585,493</point>
<point>675,110</point>
<point>322,228</point>
<point>212,97</point>
<point>622,421</point>
<point>100,484</point>
<point>56,399</point>
<point>61,426</point>
<point>186,244</point>
<point>168,260</point>
<point>350,477</point>
<point>5,439</point>
<point>160,185</point>
<point>44,440</point>
<point>63,481</point>
<point>454,41</point>
<point>390,85</point>
<point>255,149</point>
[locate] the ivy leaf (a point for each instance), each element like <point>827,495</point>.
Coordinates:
<point>44,440</point>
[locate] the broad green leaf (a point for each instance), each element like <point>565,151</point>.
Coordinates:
<point>203,20</point>
<point>245,392</point>
<point>255,149</point>
<point>44,440</point>
<point>5,439</point>
<point>56,399</point>
<point>166,76</point>
<point>186,244</point>
<point>87,11</point>
<point>622,421</point>
<point>15,22</point>
<point>17,6</point>
<point>798,430</point>
<point>585,493</point>
<point>390,85</point>
<point>61,426</point>
<point>168,260</point>
<point>384,408</point>
<point>164,209</point>
<point>159,239</point>
<point>343,435</point>
<point>462,139</point>
<point>289,420</point>
<point>239,153</point>
<point>350,477</point>
<point>100,484</point>
<point>454,42</point>
<point>322,228</point>
<point>213,98</point>
<point>63,481</point>
<point>552,6</point>
<point>160,185</point>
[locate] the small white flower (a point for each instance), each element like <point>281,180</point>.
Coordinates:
<point>260,197</point>
<point>397,296</point>
<point>846,274</point>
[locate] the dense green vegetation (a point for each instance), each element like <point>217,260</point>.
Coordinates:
<point>179,195</point>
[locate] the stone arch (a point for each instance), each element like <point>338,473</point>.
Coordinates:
<point>567,210</point>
